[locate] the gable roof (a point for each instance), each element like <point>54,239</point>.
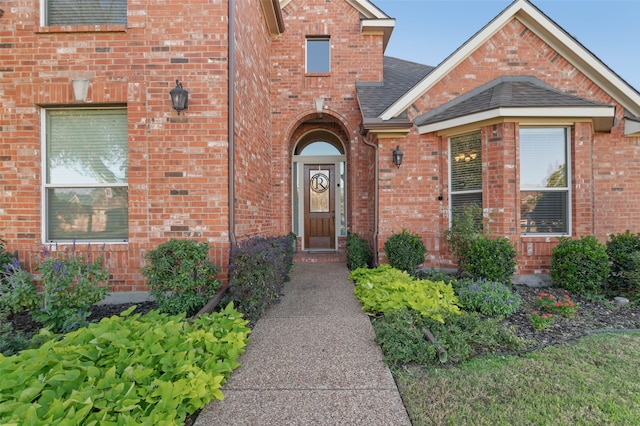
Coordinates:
<point>399,77</point>
<point>372,19</point>
<point>515,96</point>
<point>548,31</point>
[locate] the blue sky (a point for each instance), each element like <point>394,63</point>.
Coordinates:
<point>427,31</point>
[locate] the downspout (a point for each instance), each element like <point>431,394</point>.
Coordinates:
<point>230,126</point>
<point>375,200</point>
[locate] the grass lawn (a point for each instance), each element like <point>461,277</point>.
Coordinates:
<point>591,381</point>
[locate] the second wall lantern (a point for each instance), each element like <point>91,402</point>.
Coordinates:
<point>179,97</point>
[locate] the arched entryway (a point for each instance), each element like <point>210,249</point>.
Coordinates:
<point>319,190</point>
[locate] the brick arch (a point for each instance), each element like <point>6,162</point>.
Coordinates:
<point>330,122</point>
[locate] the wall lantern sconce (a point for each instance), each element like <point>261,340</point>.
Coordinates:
<point>397,156</point>
<point>80,89</point>
<point>179,97</point>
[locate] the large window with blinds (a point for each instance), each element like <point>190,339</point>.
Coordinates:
<point>85,12</point>
<point>465,159</point>
<point>544,181</point>
<point>86,175</point>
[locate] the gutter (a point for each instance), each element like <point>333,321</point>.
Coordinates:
<point>375,200</point>
<point>230,126</point>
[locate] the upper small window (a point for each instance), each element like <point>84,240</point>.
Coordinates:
<point>85,12</point>
<point>318,55</point>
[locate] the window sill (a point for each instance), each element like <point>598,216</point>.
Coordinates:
<point>317,74</point>
<point>542,238</point>
<point>82,29</point>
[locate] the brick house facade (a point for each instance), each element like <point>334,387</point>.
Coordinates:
<point>292,128</point>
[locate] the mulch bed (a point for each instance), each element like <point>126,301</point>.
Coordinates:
<point>22,321</point>
<point>590,318</point>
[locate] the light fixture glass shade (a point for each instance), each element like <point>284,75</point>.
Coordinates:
<point>179,97</point>
<point>397,156</point>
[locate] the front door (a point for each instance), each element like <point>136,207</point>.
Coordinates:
<point>319,206</point>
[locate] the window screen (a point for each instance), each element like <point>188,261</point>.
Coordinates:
<point>86,12</point>
<point>86,171</point>
<point>544,181</point>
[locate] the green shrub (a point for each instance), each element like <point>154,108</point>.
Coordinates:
<point>386,289</point>
<point>620,248</point>
<point>181,277</point>
<point>466,227</point>
<point>258,269</point>
<point>632,276</point>
<point>433,274</point>
<point>18,292</point>
<point>491,259</point>
<point>400,334</point>
<point>128,369</point>
<point>405,251</point>
<point>11,341</point>
<point>71,284</point>
<point>491,298</point>
<point>359,253</point>
<point>580,266</point>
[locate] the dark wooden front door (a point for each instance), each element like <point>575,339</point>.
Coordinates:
<point>319,206</point>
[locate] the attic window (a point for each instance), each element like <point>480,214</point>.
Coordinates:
<point>318,54</point>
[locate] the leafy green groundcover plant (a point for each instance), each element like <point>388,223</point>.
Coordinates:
<point>400,334</point>
<point>385,289</point>
<point>131,369</point>
<point>490,298</point>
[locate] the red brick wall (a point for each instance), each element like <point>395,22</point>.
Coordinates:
<point>605,181</point>
<point>354,57</point>
<point>177,163</point>
<point>253,178</point>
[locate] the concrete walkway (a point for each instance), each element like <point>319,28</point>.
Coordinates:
<point>311,360</point>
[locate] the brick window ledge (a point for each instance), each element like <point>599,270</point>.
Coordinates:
<point>82,29</point>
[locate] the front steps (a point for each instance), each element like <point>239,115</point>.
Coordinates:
<point>320,257</point>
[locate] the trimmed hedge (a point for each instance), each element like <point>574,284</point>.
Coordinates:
<point>359,254</point>
<point>405,251</point>
<point>258,269</point>
<point>580,266</point>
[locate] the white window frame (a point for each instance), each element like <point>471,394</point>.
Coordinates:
<point>567,189</point>
<point>312,39</point>
<point>44,16</point>
<point>45,185</point>
<point>453,193</point>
